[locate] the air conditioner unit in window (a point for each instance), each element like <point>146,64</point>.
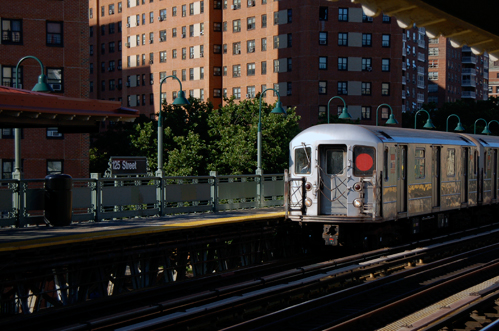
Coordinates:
<point>151,61</point>
<point>152,82</point>
<point>162,39</point>
<point>238,51</point>
<point>233,7</point>
<point>201,33</point>
<point>127,45</point>
<point>109,69</point>
<point>127,84</point>
<point>128,25</point>
<point>56,87</point>
<point>322,42</point>
<point>138,23</point>
<point>369,68</point>
<point>160,19</point>
<point>151,41</point>
<point>201,54</point>
<point>247,96</point>
<point>183,35</point>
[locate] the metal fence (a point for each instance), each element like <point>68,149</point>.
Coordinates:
<point>22,202</point>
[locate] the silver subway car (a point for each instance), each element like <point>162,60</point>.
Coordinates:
<point>344,175</point>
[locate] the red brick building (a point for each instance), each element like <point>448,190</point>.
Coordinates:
<point>56,32</point>
<point>308,50</point>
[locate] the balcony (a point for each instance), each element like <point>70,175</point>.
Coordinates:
<point>421,85</point>
<point>486,74</point>
<point>404,66</point>
<point>404,38</point>
<point>403,94</point>
<point>421,43</point>
<point>468,94</point>
<point>468,71</point>
<point>468,59</point>
<point>420,70</point>
<point>421,57</point>
<point>403,51</point>
<point>420,97</point>
<point>468,83</point>
<point>485,64</point>
<point>403,80</point>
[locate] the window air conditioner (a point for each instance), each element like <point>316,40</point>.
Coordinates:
<point>128,25</point>
<point>151,41</point>
<point>183,35</point>
<point>369,68</point>
<point>233,7</point>
<point>127,84</point>
<point>127,45</point>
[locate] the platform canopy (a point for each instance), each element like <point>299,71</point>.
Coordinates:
<point>472,24</point>
<point>27,109</point>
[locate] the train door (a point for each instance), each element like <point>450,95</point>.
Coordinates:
<point>436,175</point>
<point>333,180</point>
<point>465,175</point>
<point>402,179</point>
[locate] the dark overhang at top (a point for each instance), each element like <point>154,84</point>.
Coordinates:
<point>471,24</point>
<point>26,109</point>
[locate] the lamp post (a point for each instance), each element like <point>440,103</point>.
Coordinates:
<point>429,124</point>
<point>344,113</point>
<point>458,128</point>
<point>41,86</point>
<point>180,100</point>
<point>277,110</point>
<point>485,131</point>
<point>488,125</point>
<point>391,119</point>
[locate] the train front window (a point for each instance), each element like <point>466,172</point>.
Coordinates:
<point>334,161</point>
<point>364,158</point>
<point>303,160</point>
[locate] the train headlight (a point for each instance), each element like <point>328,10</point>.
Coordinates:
<point>308,186</point>
<point>357,203</point>
<point>357,187</point>
<point>308,202</point>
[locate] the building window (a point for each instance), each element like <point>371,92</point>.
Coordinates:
<point>224,70</point>
<point>342,88</point>
<point>54,167</point>
<point>276,65</point>
<point>342,39</point>
<point>217,49</point>
<point>264,44</point>
<point>264,21</point>
<point>251,46</point>
<point>217,4</point>
<point>174,53</point>
<point>217,93</point>
<point>191,73</point>
<point>385,41</point>
<point>251,23</point>
<point>385,64</point>
<point>433,51</point>
<point>184,74</point>
<point>162,56</point>
<point>322,38</point>
<point>8,76</point>
<point>12,31</point>
<point>184,10</point>
<point>366,64</point>
<point>264,67</point>
<point>251,69</point>
<point>386,19</point>
<point>323,62</point>
<point>385,88</point>
<point>236,26</point>
<point>366,88</point>
<point>323,13</point>
<point>7,168</point>
<point>366,39</point>
<point>191,52</point>
<point>433,75</point>
<point>217,71</point>
<point>236,70</point>
<point>184,53</point>
<point>366,19</point>
<point>343,14</point>
<point>236,48</point>
<point>55,79</point>
<point>322,87</point>
<point>54,33</point>
<point>250,92</point>
<point>342,63</point>
<point>236,91</point>
<point>366,112</point>
<point>53,133</point>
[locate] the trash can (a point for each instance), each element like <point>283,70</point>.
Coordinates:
<point>58,199</point>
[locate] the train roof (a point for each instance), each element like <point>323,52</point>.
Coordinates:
<point>375,134</point>
<point>486,141</point>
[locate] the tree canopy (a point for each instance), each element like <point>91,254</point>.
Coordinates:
<point>199,139</point>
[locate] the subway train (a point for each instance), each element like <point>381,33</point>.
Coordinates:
<point>357,183</point>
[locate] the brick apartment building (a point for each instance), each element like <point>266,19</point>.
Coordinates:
<point>308,50</point>
<point>56,32</point>
<point>456,73</point>
<point>494,78</point>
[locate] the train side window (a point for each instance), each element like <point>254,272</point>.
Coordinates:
<point>475,163</point>
<point>364,159</point>
<point>419,160</point>
<point>303,160</point>
<point>451,162</point>
<point>335,161</point>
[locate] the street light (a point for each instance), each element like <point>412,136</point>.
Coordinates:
<point>486,130</point>
<point>180,100</point>
<point>344,112</point>
<point>458,128</point>
<point>41,86</point>
<point>429,124</point>
<point>277,110</point>
<point>391,120</point>
<point>488,125</point>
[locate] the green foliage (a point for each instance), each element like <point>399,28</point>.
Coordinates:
<point>199,139</point>
<point>468,112</point>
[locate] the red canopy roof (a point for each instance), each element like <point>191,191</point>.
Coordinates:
<point>23,109</point>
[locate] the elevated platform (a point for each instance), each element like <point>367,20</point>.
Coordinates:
<point>44,236</point>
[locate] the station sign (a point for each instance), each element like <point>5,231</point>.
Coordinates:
<point>128,165</point>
